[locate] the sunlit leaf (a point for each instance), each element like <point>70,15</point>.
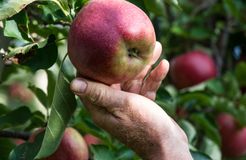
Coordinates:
<point>62,109</point>
<point>9,8</point>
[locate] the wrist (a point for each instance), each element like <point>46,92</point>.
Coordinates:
<point>172,148</point>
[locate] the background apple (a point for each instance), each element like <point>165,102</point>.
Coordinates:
<point>233,137</point>
<point>91,139</point>
<point>111,42</point>
<point>72,146</point>
<point>191,68</point>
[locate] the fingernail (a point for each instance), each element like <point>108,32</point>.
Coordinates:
<point>78,85</point>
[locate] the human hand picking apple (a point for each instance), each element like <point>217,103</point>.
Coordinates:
<point>128,113</point>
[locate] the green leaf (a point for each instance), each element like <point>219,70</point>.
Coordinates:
<point>199,156</point>
<point>62,109</point>
<point>15,117</point>
<point>1,68</point>
<point>43,58</point>
<point>215,86</point>
<point>42,97</point>
<point>6,146</point>
<point>207,127</point>
<point>11,30</point>
<point>22,21</point>
<point>63,5</point>
<point>232,8</point>
<point>50,86</point>
<point>211,149</point>
<point>101,152</point>
<point>3,109</point>
<point>27,151</point>
<point>155,6</point>
<point>240,73</point>
<point>9,8</point>
<point>174,3</point>
<point>198,98</point>
<point>189,129</point>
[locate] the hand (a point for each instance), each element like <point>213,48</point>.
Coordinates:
<point>124,111</point>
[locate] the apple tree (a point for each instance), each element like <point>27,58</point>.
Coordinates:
<point>35,75</point>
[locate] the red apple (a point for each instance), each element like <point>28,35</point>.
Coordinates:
<point>20,92</point>
<point>111,41</point>
<point>72,146</point>
<point>233,138</point>
<point>191,68</point>
<point>90,139</point>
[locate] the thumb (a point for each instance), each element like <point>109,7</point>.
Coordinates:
<point>98,93</point>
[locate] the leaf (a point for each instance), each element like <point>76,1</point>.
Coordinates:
<point>155,6</point>
<point>101,152</point>
<point>204,124</point>
<point>11,30</point>
<point>63,5</point>
<point>174,3</point>
<point>42,97</point>
<point>198,98</point>
<point>9,8</point>
<point>6,146</point>
<point>50,86</point>
<point>189,129</point>
<point>62,109</point>
<point>22,21</point>
<point>240,73</point>
<point>211,149</point>
<point>15,117</point>
<point>43,57</point>
<point>199,156</point>
<point>1,68</point>
<point>27,151</point>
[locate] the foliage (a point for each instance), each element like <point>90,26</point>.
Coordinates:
<point>33,44</point>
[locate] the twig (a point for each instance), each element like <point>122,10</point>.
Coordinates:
<point>14,134</point>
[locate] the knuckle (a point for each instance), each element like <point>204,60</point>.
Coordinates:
<point>96,96</point>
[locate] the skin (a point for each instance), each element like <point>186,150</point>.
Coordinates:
<point>111,42</point>
<point>191,68</point>
<point>127,111</point>
<point>233,137</point>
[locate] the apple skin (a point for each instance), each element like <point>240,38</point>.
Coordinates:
<point>72,146</point>
<point>192,68</point>
<point>233,138</point>
<point>111,42</point>
<point>91,139</point>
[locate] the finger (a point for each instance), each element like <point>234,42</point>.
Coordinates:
<point>157,52</point>
<point>99,94</point>
<point>154,80</point>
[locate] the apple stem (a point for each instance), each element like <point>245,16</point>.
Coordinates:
<point>133,52</point>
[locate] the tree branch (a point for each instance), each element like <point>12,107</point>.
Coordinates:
<point>14,134</point>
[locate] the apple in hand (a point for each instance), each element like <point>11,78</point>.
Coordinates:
<point>191,68</point>
<point>233,137</point>
<point>111,41</point>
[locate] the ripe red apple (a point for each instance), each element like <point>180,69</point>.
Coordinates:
<point>72,146</point>
<point>90,139</point>
<point>233,137</point>
<point>191,68</point>
<point>110,41</point>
